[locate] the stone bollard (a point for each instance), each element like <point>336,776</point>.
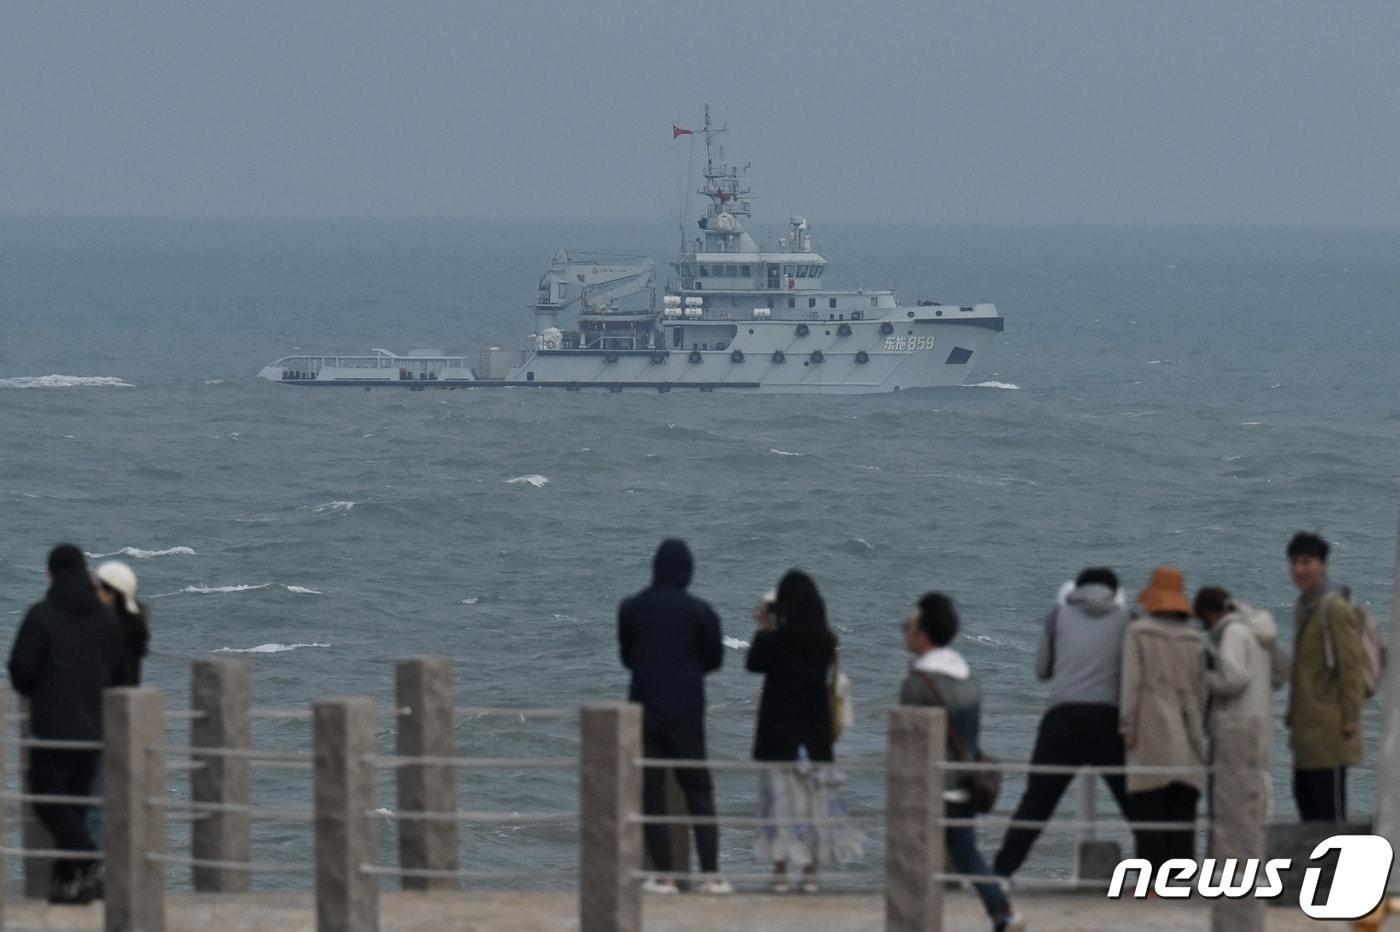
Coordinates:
<point>1240,807</point>
<point>133,773</point>
<point>610,838</point>
<point>33,835</point>
<point>423,693</point>
<point>342,735</point>
<point>914,819</point>
<point>220,696</point>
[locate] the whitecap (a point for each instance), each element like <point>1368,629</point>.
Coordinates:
<point>211,590</point>
<point>65,381</point>
<point>136,553</point>
<point>333,506</point>
<point>273,648</point>
<point>533,479</point>
<point>470,601</point>
<point>213,381</point>
<point>863,542</point>
<point>1251,423</point>
<point>735,643</point>
<point>302,590</point>
<point>1004,385</point>
<point>778,452</point>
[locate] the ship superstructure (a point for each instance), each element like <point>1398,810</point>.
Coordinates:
<point>734,315</point>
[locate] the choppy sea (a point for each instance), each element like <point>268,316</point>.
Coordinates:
<point>1190,396</point>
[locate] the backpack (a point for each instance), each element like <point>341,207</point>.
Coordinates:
<point>1368,631</point>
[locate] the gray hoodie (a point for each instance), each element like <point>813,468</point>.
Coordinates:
<point>1081,647</point>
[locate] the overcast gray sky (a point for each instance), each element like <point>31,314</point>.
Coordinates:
<point>1103,112</point>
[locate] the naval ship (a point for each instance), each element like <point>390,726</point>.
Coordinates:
<point>737,315</point>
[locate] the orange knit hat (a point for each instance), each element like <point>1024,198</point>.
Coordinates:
<point>1165,592</point>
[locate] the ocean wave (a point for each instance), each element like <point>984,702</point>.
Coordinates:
<point>777,452</point>
<point>533,479</point>
<point>735,643</point>
<point>471,600</point>
<point>1006,385</point>
<point>302,590</point>
<point>333,506</point>
<point>273,648</point>
<point>212,590</point>
<point>136,553</point>
<point>65,381</point>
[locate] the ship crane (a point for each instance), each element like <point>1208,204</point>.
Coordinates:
<point>596,283</point>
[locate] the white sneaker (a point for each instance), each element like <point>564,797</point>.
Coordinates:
<point>1011,923</point>
<point>662,886</point>
<point>716,887</point>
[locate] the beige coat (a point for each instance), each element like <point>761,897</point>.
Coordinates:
<point>1163,702</point>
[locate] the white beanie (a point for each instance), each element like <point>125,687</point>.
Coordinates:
<point>119,576</point>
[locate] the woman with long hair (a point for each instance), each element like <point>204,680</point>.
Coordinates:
<point>794,649</point>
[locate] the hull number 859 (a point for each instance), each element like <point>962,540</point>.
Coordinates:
<point>905,344</point>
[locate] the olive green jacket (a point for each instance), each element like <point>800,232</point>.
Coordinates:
<point>1323,696</point>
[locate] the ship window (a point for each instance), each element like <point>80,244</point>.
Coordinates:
<point>874,302</point>
<point>704,272</point>
<point>816,271</point>
<point>811,302</point>
<point>732,271</point>
<point>802,271</point>
<point>746,271</point>
<point>733,302</point>
<point>787,271</point>
<point>770,304</point>
<point>792,302</point>
<point>831,303</point>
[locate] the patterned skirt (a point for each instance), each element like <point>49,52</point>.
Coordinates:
<point>811,825</point>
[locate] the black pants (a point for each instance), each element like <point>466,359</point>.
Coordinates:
<point>663,741</point>
<point>1321,794</point>
<point>1070,735</point>
<point>64,773</point>
<point>1175,802</point>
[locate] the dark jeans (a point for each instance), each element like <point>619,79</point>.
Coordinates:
<point>1070,735</point>
<point>64,773</point>
<point>1321,795</point>
<point>662,741</point>
<point>962,851</point>
<point>1175,802</point>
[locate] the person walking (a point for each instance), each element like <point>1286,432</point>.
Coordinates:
<point>116,587</point>
<point>939,676</point>
<point>1162,717</point>
<point>1328,686</point>
<point>66,652</point>
<point>1081,654</point>
<point>794,648</point>
<point>670,640</point>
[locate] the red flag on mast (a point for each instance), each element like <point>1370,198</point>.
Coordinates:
<point>677,131</point>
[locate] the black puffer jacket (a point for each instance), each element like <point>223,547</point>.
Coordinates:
<point>67,651</point>
<point>794,709</point>
<point>669,639</point>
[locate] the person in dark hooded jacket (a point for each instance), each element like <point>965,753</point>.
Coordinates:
<point>669,640</point>
<point>66,652</point>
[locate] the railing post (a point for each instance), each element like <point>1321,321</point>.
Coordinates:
<point>220,697</point>
<point>342,735</point>
<point>4,723</point>
<point>33,834</point>
<point>610,838</point>
<point>423,693</point>
<point>1240,807</point>
<point>1388,761</point>
<point>914,846</point>
<point>1095,858</point>
<point>133,774</point>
